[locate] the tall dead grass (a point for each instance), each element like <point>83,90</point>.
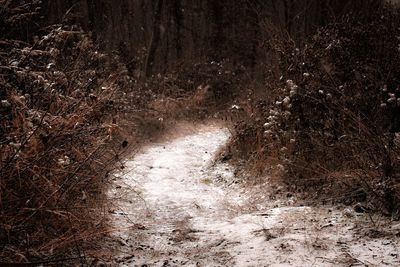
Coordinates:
<point>331,117</point>
<point>59,139</point>
<point>195,90</point>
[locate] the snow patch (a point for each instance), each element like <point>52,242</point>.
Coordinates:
<point>173,209</point>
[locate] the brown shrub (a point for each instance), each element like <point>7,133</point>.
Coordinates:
<point>334,108</point>
<point>59,139</point>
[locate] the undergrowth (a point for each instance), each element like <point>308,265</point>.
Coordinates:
<point>196,90</point>
<point>68,113</point>
<point>61,104</point>
<point>330,121</point>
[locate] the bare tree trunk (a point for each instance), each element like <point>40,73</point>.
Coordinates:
<point>287,18</point>
<point>217,31</point>
<point>155,39</point>
<point>178,20</point>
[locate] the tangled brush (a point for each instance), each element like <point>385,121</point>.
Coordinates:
<point>59,138</point>
<point>332,118</point>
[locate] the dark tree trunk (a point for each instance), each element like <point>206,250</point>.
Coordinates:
<point>178,21</point>
<point>155,39</point>
<point>217,32</point>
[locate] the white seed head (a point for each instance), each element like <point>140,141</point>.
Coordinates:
<point>50,66</point>
<point>5,104</point>
<point>286,102</point>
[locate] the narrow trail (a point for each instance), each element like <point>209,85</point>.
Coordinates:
<point>175,207</point>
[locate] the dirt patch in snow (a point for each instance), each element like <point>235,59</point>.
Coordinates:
<point>174,206</point>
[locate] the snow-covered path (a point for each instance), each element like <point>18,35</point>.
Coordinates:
<point>174,207</point>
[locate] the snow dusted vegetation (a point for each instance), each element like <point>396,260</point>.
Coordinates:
<point>192,214</point>
<point>199,133</point>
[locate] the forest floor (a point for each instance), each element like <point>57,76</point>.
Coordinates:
<point>174,205</point>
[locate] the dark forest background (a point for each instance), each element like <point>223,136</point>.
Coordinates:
<point>169,32</point>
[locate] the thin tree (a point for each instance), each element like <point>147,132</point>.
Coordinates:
<point>155,39</point>
<point>178,20</point>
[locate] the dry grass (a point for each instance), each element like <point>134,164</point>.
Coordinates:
<point>330,120</point>
<point>69,113</point>
<point>60,109</point>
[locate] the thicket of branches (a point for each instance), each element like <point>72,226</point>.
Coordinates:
<point>59,137</point>
<point>65,107</point>
<point>332,113</point>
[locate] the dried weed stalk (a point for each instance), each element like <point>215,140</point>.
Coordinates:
<point>332,114</point>
<point>59,138</point>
